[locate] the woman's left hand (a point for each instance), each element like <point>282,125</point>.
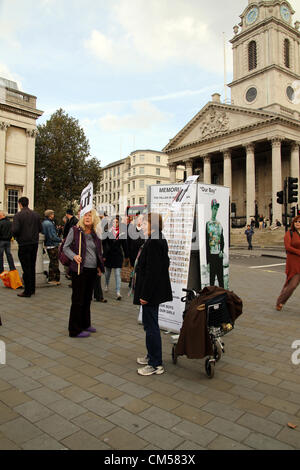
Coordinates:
<point>99,272</point>
<point>143,302</point>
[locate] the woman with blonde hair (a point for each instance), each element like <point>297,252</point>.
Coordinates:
<point>292,246</point>
<point>84,249</point>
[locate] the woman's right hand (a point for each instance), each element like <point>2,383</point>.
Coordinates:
<point>78,259</point>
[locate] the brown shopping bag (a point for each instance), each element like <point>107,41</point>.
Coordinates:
<point>5,278</point>
<point>15,281</point>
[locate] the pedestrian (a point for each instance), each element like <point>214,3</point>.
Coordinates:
<point>215,244</point>
<point>249,234</point>
<point>115,250</point>
<point>292,246</point>
<point>5,237</point>
<point>261,222</point>
<point>98,292</point>
<point>26,227</point>
<point>152,287</point>
<point>90,264</point>
<point>71,221</point>
<point>51,243</point>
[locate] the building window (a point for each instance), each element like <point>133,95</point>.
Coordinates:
<point>133,171</point>
<point>287,62</point>
<point>133,185</point>
<point>12,203</point>
<point>142,184</point>
<point>157,171</point>
<point>142,158</point>
<point>157,182</point>
<point>133,201</point>
<point>157,159</point>
<point>142,170</point>
<point>251,94</point>
<point>142,200</point>
<point>129,188</point>
<point>114,171</point>
<point>252,55</point>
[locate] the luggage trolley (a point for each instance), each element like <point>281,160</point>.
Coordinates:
<point>218,324</point>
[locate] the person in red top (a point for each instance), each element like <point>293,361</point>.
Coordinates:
<point>292,246</point>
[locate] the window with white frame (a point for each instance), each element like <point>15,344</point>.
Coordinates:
<point>12,201</point>
<point>157,158</point>
<point>142,200</point>
<point>142,170</point>
<point>142,184</point>
<point>157,171</point>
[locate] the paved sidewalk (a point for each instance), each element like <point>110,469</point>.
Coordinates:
<point>63,393</point>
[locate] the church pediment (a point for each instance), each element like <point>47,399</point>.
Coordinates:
<point>214,121</point>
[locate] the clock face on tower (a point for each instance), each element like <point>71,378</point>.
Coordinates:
<point>285,13</point>
<point>252,16</point>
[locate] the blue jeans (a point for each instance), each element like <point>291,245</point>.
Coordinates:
<point>117,277</point>
<point>5,247</point>
<point>153,338</point>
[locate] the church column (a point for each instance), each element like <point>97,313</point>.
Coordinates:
<point>295,163</point>
<point>172,169</point>
<point>29,189</point>
<point>250,181</point>
<point>3,128</point>
<point>276,177</point>
<point>189,168</point>
<point>207,169</point>
<point>228,171</point>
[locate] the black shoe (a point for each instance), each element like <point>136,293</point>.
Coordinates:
<point>23,295</point>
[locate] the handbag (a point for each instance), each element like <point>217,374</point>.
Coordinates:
<point>5,278</point>
<point>14,278</point>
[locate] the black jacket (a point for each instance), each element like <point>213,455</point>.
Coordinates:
<point>152,272</point>
<point>135,239</point>
<point>5,230</point>
<point>69,224</point>
<point>26,227</point>
<point>114,249</point>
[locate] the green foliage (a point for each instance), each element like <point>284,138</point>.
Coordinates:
<point>63,166</point>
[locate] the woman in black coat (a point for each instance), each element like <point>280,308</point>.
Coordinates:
<point>152,287</point>
<point>114,251</point>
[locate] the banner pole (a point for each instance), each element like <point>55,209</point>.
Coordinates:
<point>78,271</point>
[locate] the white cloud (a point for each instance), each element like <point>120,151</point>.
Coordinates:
<point>144,115</point>
<point>143,34</point>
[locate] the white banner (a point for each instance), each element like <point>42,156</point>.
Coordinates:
<point>213,226</point>
<point>86,200</point>
<point>178,230</point>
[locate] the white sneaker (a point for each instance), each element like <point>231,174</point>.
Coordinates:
<point>105,288</point>
<point>143,361</point>
<point>149,370</point>
<point>119,297</point>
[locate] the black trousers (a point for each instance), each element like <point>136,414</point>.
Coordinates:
<point>216,269</point>
<point>82,291</point>
<point>98,292</point>
<point>27,256</point>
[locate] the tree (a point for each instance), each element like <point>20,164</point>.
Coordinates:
<point>63,166</point>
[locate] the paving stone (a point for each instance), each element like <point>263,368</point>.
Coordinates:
<point>76,394</point>
<point>229,413</point>
<point>6,444</point>
<point>121,439</point>
<point>67,408</point>
<point>284,418</point>
<point>6,413</point>
<point>43,442</point>
<point>160,437</point>
<point>33,411</point>
<point>162,401</point>
<point>93,424</point>
<point>160,417</point>
<point>224,443</point>
<point>105,391</point>
<point>258,424</point>
<point>13,397</point>
<point>228,429</point>
<point>195,433</point>
<point>100,407</point>
<point>261,442</point>
<point>19,430</point>
<point>128,421</point>
<point>192,414</point>
<point>290,436</point>
<point>25,384</point>
<point>252,406</point>
<point>44,395</point>
<point>57,427</point>
<point>110,379</point>
<point>281,405</point>
<point>137,391</point>
<point>134,405</point>
<point>189,445</point>
<point>81,440</point>
<point>54,383</point>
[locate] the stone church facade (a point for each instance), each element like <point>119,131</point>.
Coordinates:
<point>18,115</point>
<point>252,144</point>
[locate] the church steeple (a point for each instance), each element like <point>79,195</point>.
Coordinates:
<point>266,57</point>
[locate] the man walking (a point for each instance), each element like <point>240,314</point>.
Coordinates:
<point>26,227</point>
<point>5,237</point>
<point>249,234</point>
<point>51,244</point>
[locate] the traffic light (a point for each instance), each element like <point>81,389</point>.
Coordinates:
<point>292,190</point>
<point>280,197</point>
<point>293,211</point>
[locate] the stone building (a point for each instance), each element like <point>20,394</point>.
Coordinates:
<point>18,115</point>
<point>125,181</point>
<point>252,144</point>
